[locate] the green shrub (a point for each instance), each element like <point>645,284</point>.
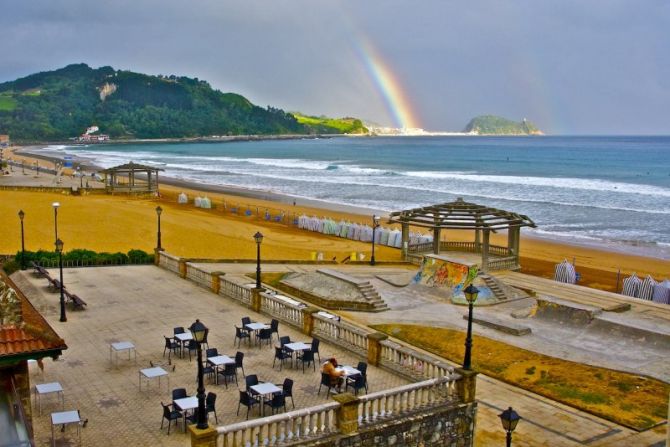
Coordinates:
<point>11,266</point>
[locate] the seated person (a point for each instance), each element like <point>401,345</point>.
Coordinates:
<point>336,377</point>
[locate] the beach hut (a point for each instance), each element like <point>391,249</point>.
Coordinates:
<point>661,292</point>
<point>631,286</point>
<point>565,272</point>
<point>395,238</point>
<point>182,198</point>
<point>206,203</point>
<point>384,238</point>
<point>197,202</point>
<point>646,290</point>
<point>344,229</point>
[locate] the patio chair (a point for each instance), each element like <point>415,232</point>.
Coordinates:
<point>170,346</point>
<point>315,347</point>
<point>251,380</point>
<point>307,356</point>
<point>240,334</point>
<point>246,320</point>
<point>281,355</point>
<point>170,415</point>
<point>211,352</point>
<point>204,339</point>
<point>229,371</point>
<point>178,330</point>
<point>284,341</point>
<point>178,393</point>
<point>287,389</point>
<point>363,368</point>
<point>210,402</point>
<point>248,401</point>
<point>274,327</point>
<point>264,335</point>
<point>208,369</point>
<point>357,382</point>
<point>239,359</point>
<point>325,381</point>
<point>192,346</point>
<point>278,401</point>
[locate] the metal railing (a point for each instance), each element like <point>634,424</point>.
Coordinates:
<point>53,263</point>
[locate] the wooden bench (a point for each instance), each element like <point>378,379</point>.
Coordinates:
<point>53,283</point>
<point>39,270</point>
<point>77,303</point>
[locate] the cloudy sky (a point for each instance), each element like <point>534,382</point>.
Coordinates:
<point>572,67</point>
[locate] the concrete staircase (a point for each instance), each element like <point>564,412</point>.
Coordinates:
<point>367,290</point>
<point>498,289</point>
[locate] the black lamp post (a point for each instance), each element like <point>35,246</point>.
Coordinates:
<point>23,246</point>
<point>55,206</point>
<point>159,210</point>
<point>198,331</point>
<point>375,224</point>
<point>59,250</point>
<point>259,239</point>
<point>470,293</point>
<point>509,419</point>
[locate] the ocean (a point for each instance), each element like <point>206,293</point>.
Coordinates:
<point>604,191</point>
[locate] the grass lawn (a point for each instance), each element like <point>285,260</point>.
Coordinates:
<point>7,103</point>
<point>627,399</point>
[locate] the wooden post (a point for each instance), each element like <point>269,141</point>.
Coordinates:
<point>308,320</point>
<point>202,438</point>
<point>436,240</point>
<point>375,347</point>
<point>347,413</point>
<point>510,240</point>
<point>478,241</point>
<point>405,239</point>
<point>466,386</point>
<point>485,250</point>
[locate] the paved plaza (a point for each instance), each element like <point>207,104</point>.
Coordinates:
<point>141,304</point>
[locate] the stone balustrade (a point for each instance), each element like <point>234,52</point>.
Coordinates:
<point>341,333</point>
<point>235,291</point>
<point>168,261</point>
<point>411,363</point>
<point>293,426</point>
<point>198,275</point>
<point>286,312</point>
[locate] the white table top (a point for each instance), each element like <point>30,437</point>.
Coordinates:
<point>156,371</point>
<point>185,336</point>
<point>348,370</point>
<point>53,387</point>
<point>297,346</point>
<point>256,326</point>
<point>220,360</point>
<point>122,345</point>
<point>187,403</point>
<point>265,388</point>
<point>65,417</point>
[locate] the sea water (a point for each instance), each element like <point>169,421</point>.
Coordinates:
<point>612,191</point>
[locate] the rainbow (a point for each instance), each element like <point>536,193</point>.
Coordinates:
<point>389,87</point>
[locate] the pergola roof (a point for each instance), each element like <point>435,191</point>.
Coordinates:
<point>461,215</point>
<point>130,167</point>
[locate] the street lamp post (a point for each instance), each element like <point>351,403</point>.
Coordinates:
<point>159,210</point>
<point>375,224</point>
<point>509,419</point>
<point>259,239</point>
<point>470,293</point>
<point>59,250</point>
<point>198,331</point>
<point>23,246</point>
<point>55,206</point>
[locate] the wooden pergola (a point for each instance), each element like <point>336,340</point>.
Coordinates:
<point>461,215</point>
<point>130,172</point>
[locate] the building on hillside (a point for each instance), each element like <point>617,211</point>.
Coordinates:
<point>24,336</point>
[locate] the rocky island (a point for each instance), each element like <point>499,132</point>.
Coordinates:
<point>497,125</point>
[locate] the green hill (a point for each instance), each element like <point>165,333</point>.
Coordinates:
<point>323,124</point>
<point>496,125</point>
<point>61,104</point>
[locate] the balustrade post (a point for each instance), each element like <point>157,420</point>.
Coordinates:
<point>216,282</point>
<point>375,347</point>
<point>256,299</point>
<point>202,438</point>
<point>346,417</point>
<point>182,268</point>
<point>308,320</point>
<point>466,386</point>
<point>157,256</point>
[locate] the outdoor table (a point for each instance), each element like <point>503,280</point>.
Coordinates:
<point>262,390</point>
<point>217,361</point>
<point>47,388</point>
<point>256,327</point>
<point>183,338</point>
<point>121,346</point>
<point>152,373</point>
<point>297,347</point>
<point>185,404</point>
<point>65,418</point>
<point>348,370</point>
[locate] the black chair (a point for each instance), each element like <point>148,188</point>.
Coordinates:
<point>281,355</point>
<point>170,346</point>
<point>307,356</point>
<point>357,382</point>
<point>229,372</point>
<point>245,321</point>
<point>278,401</point>
<point>251,380</point>
<point>204,339</point>
<point>178,330</point>
<point>274,327</point>
<point>287,389</point>
<point>325,381</point>
<point>264,335</point>
<point>211,352</point>
<point>192,346</point>
<point>208,369</point>
<point>315,347</point>
<point>210,402</point>
<point>363,368</point>
<point>246,400</point>
<point>240,334</point>
<point>284,341</point>
<point>239,358</point>
<point>178,393</point>
<point>170,415</point>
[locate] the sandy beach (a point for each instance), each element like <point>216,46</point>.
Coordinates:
<point>120,223</point>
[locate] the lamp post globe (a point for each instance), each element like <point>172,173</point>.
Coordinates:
<point>198,331</point>
<point>159,210</point>
<point>23,246</point>
<point>375,225</point>
<point>470,293</point>
<point>509,418</point>
<point>258,237</point>
<point>59,250</point>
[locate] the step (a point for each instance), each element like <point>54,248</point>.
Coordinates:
<point>508,327</point>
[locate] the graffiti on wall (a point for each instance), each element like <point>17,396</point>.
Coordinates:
<point>439,272</point>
